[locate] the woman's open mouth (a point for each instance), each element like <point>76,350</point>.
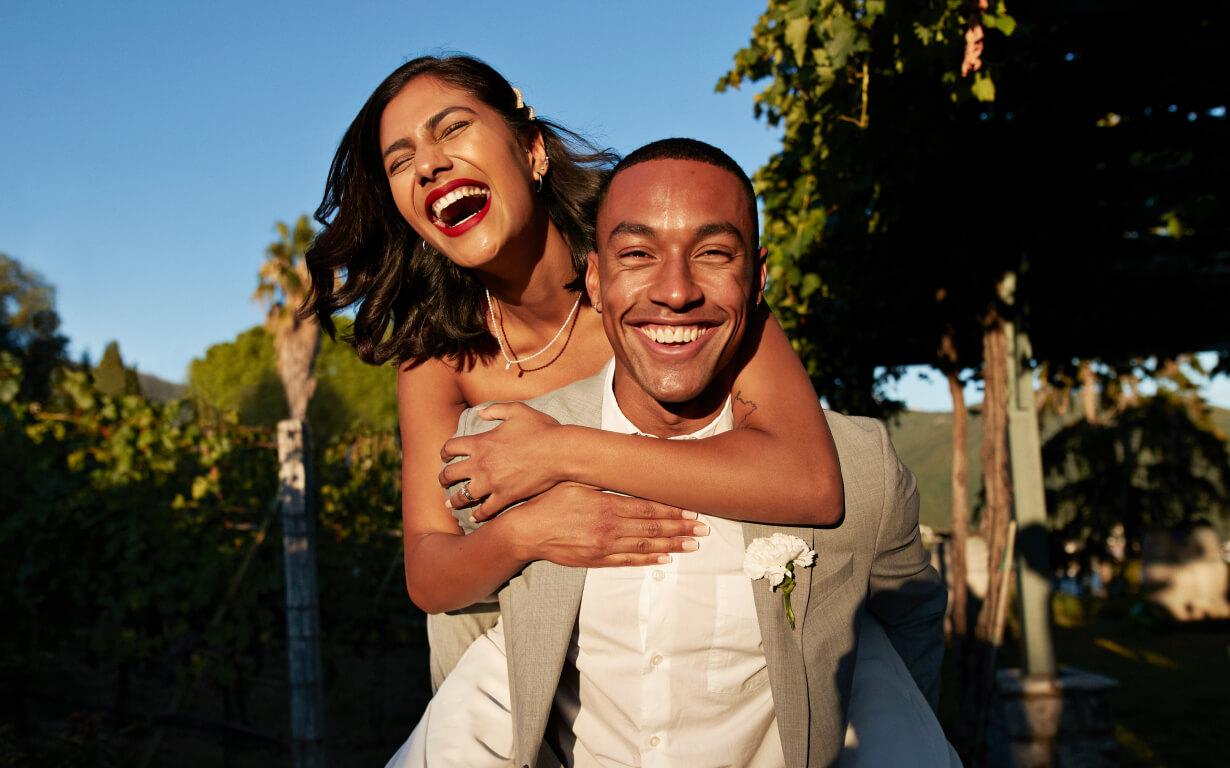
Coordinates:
<point>458,206</point>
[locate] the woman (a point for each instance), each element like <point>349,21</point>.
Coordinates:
<point>461,223</point>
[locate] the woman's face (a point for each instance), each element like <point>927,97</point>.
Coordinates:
<point>459,175</point>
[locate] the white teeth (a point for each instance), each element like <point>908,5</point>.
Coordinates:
<point>438,206</point>
<point>673,334</point>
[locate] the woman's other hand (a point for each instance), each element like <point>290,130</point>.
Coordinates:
<point>510,463</point>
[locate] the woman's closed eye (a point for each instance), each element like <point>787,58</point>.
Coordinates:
<point>400,163</point>
<point>453,128</point>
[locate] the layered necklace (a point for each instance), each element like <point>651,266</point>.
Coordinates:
<point>498,330</point>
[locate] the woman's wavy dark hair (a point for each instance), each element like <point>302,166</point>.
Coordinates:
<point>413,303</point>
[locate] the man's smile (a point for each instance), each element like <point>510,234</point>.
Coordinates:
<point>674,340</point>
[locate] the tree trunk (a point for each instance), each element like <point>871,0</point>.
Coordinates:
<point>297,343</point>
<point>998,509</point>
<point>960,515</point>
<point>978,664</point>
<point>307,716</point>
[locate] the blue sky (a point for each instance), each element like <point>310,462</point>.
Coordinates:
<point>147,148</point>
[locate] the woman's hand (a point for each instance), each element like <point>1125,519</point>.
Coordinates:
<point>580,526</point>
<point>510,463</point>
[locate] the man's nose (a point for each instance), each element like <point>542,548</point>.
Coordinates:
<point>429,162</point>
<point>675,286</point>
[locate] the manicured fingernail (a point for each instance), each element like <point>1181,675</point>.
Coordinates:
<point>448,503</point>
<point>688,514</point>
<point>664,559</point>
<point>700,530</point>
<point>690,545</point>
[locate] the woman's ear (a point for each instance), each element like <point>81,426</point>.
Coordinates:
<point>537,157</point>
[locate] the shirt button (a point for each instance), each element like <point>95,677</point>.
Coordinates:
<point>658,575</point>
<point>656,660</point>
<point>654,741</point>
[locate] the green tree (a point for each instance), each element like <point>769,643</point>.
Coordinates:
<point>1158,463</point>
<point>29,327</point>
<point>111,376</point>
<point>240,376</point>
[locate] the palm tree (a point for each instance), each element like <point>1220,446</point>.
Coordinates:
<point>282,287</point>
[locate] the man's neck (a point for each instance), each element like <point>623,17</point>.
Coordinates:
<point>659,419</point>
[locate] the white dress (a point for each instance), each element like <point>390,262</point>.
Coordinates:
<point>468,723</point>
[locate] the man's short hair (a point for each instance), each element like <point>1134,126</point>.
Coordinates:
<point>685,149</point>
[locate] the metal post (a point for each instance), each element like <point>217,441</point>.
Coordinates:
<point>1029,502</point>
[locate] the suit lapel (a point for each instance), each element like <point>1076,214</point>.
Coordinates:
<point>783,647</point>
<point>540,605</point>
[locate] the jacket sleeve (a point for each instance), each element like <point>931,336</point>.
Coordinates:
<point>907,595</point>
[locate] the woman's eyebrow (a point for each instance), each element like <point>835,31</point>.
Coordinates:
<point>432,122</point>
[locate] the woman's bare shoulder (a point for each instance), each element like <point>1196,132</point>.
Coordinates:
<point>429,386</point>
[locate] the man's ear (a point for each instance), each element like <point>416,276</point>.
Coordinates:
<point>762,273</point>
<point>593,283</point>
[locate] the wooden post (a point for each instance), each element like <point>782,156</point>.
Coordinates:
<point>307,713</point>
<point>1029,502</point>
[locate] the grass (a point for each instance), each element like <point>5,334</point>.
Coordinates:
<point>1173,704</point>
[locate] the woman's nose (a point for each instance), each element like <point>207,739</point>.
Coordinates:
<point>430,162</point>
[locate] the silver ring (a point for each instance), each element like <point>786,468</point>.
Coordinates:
<point>465,491</point>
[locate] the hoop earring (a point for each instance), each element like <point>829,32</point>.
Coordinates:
<point>539,187</point>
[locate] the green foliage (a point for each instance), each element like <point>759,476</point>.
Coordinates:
<point>904,191</point>
<point>29,327</point>
<point>1158,464</point>
<point>111,377</point>
<point>124,521</point>
<point>351,396</point>
<point>241,377</point>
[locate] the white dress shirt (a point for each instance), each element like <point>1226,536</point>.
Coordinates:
<point>666,666</point>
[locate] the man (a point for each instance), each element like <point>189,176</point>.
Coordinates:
<point>661,665</point>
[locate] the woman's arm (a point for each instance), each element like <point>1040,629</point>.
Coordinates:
<point>570,525</point>
<point>779,464</point>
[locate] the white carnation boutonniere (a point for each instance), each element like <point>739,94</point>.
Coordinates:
<point>775,558</point>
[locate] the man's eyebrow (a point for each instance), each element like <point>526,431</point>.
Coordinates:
<point>719,228</point>
<point>631,228</point>
<point>432,122</point>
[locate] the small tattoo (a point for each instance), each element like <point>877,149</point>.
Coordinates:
<point>751,407</point>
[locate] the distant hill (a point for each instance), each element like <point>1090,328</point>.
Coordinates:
<point>159,390</point>
<point>923,440</point>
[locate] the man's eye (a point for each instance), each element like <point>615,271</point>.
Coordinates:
<point>716,253</point>
<point>634,254</point>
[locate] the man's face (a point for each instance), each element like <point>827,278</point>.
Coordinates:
<point>674,275</point>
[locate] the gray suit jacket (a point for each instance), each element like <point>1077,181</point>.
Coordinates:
<point>873,559</point>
